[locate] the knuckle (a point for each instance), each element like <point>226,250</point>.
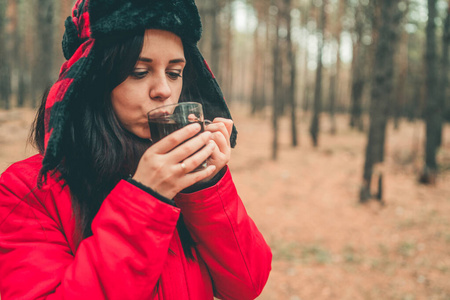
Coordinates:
<point>189,148</point>
<point>172,139</point>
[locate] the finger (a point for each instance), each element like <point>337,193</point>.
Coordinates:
<point>176,138</point>
<point>222,143</point>
<point>195,160</point>
<point>227,122</point>
<point>191,178</point>
<point>219,128</point>
<point>189,147</point>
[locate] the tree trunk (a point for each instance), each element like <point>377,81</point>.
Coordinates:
<point>433,115</point>
<point>276,86</point>
<point>228,68</point>
<point>293,68</point>
<point>381,93</point>
<point>358,74</point>
<point>443,95</point>
<point>402,62</point>
<point>334,81</point>
<point>304,77</point>
<point>5,54</point>
<point>315,122</point>
<point>43,67</point>
<point>216,44</point>
<point>256,105</point>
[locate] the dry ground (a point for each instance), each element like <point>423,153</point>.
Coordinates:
<point>325,244</point>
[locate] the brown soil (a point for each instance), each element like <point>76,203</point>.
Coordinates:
<point>325,244</point>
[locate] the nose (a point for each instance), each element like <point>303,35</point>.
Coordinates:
<point>160,89</point>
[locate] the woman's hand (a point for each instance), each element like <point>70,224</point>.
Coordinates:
<point>165,167</point>
<point>220,130</point>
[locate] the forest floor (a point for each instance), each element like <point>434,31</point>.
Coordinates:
<point>325,244</point>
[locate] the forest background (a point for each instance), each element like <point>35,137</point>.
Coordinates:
<point>342,108</point>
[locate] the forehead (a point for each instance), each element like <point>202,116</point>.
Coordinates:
<point>162,43</point>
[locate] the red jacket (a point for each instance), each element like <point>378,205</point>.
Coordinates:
<point>135,246</point>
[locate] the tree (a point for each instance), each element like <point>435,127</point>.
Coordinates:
<point>5,51</point>
<point>43,65</point>
<point>293,72</point>
<point>443,94</point>
<point>277,80</point>
<point>433,109</point>
<point>336,70</point>
<point>358,69</point>
<point>381,93</point>
<point>315,122</point>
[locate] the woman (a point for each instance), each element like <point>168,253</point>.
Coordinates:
<point>100,212</point>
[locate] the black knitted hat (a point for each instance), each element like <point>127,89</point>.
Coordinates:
<point>97,19</point>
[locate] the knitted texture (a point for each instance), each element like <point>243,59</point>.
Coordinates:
<point>97,19</point>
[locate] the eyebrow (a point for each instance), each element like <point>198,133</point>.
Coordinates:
<point>173,61</point>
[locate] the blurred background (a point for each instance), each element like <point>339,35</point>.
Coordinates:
<point>343,111</point>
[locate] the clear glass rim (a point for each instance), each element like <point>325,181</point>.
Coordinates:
<point>176,104</point>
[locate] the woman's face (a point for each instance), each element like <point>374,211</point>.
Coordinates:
<point>156,80</point>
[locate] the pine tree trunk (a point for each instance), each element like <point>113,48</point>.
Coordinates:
<point>228,68</point>
<point>22,60</point>
<point>402,62</point>
<point>315,122</point>
<point>382,90</point>
<point>5,54</point>
<point>358,74</point>
<point>304,77</point>
<point>216,44</point>
<point>293,77</point>
<point>256,84</point>
<point>43,67</point>
<point>433,115</point>
<point>276,86</point>
<point>334,81</point>
<point>443,95</point>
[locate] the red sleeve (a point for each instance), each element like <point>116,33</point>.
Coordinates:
<point>238,258</point>
<point>122,260</point>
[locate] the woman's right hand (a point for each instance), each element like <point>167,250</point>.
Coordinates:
<point>165,167</point>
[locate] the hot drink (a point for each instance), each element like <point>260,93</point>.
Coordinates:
<point>169,118</point>
<point>159,128</point>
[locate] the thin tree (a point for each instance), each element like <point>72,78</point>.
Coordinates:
<point>44,57</point>
<point>433,113</point>
<point>381,93</point>
<point>402,73</point>
<point>358,74</point>
<point>277,75</point>
<point>293,74</point>
<point>227,69</point>
<point>22,57</point>
<point>260,58</point>
<point>5,63</point>
<point>443,95</point>
<point>336,70</point>
<point>256,83</point>
<point>216,44</point>
<point>315,122</point>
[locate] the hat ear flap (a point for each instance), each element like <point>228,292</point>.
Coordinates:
<point>70,42</point>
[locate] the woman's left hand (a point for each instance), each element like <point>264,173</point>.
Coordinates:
<point>221,130</point>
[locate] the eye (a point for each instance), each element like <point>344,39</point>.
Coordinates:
<point>174,75</point>
<point>139,74</point>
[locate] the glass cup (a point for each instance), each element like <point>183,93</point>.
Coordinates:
<point>166,119</point>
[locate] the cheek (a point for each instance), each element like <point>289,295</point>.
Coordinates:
<point>122,103</point>
<point>176,90</point>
